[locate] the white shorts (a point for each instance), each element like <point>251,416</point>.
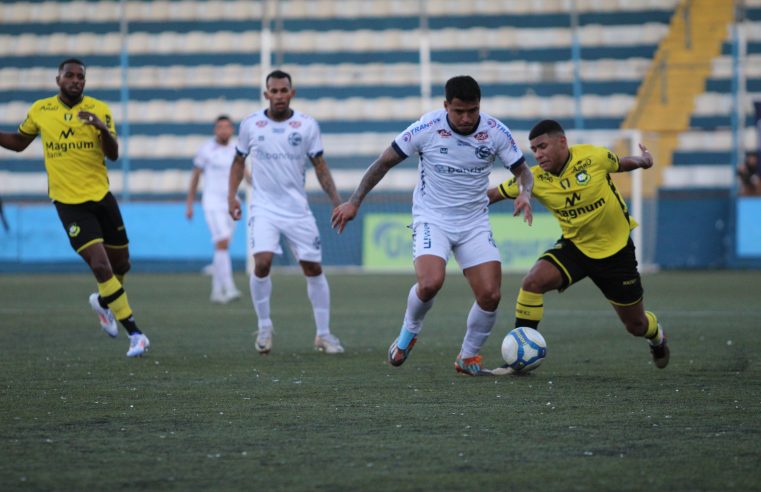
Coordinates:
<point>300,234</point>
<point>471,247</point>
<point>221,225</point>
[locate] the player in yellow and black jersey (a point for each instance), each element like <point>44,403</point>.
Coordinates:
<point>574,184</point>
<point>77,134</point>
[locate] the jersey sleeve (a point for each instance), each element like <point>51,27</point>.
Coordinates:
<point>108,119</point>
<point>507,148</point>
<point>199,160</point>
<point>29,126</point>
<point>509,188</point>
<point>408,142</point>
<point>314,145</point>
<point>609,159</point>
<point>241,146</point>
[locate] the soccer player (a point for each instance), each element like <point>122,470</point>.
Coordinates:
<point>213,160</point>
<point>574,184</point>
<point>77,134</point>
<point>280,140</point>
<point>457,147</point>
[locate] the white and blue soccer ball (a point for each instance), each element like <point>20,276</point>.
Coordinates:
<point>524,349</point>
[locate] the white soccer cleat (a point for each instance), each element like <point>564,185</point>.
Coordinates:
<point>138,345</point>
<point>263,342</point>
<point>330,344</point>
<point>218,298</point>
<point>105,316</point>
<point>232,295</point>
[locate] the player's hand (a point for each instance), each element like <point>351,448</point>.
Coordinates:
<point>89,118</point>
<point>233,207</point>
<point>523,205</point>
<point>343,214</point>
<point>647,158</point>
<point>189,212</point>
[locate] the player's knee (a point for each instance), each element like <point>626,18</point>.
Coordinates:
<point>122,267</point>
<point>533,283</point>
<point>261,270</point>
<point>489,301</point>
<point>101,269</point>
<point>428,288</point>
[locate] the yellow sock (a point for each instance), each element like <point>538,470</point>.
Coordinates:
<point>654,332</point>
<point>529,309</point>
<point>112,292</point>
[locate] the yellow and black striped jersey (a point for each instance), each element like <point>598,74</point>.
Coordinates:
<point>584,199</point>
<point>74,157</point>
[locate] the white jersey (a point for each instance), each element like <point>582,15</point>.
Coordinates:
<point>454,169</point>
<point>215,160</point>
<point>279,151</point>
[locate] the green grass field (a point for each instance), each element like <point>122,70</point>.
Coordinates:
<point>204,411</point>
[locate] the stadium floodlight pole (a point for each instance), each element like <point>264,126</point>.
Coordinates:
<point>576,58</point>
<point>737,120</point>
<point>124,96</point>
<point>425,58</point>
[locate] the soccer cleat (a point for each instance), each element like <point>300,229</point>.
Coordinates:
<point>471,366</point>
<point>330,344</point>
<point>263,342</point>
<point>105,316</point>
<point>232,295</point>
<point>503,370</point>
<point>660,354</point>
<point>397,356</point>
<point>138,345</point>
<point>217,297</point>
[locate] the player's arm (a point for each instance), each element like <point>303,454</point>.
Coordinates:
<point>236,176</point>
<point>348,210</point>
<point>107,139</point>
<point>325,179</point>
<point>194,178</point>
<point>632,162</point>
<point>15,141</point>
<point>522,202</point>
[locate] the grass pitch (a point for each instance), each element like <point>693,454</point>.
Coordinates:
<point>204,411</point>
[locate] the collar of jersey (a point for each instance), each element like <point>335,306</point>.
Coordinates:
<point>66,105</point>
<point>266,114</point>
<point>475,127</point>
<point>570,158</point>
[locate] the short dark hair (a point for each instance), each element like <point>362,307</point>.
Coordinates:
<point>549,127</point>
<point>223,117</point>
<point>462,87</point>
<point>278,74</point>
<point>71,60</point>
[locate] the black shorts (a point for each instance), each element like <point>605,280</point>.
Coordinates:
<point>93,222</point>
<point>616,276</point>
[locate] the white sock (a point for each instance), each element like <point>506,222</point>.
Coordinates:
<point>318,292</point>
<point>225,266</point>
<point>217,284</point>
<point>261,290</point>
<point>416,311</point>
<point>480,323</point>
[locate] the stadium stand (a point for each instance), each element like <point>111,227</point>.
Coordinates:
<point>355,64</point>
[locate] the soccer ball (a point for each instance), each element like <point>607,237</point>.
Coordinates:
<point>524,349</point>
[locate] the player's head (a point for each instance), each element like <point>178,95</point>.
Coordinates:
<point>279,93</point>
<point>463,103</point>
<point>223,129</point>
<point>71,78</point>
<point>549,145</point>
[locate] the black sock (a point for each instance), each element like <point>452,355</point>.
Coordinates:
<point>130,325</point>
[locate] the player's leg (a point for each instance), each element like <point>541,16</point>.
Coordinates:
<point>303,239</point>
<point>619,280</point>
<point>221,226</point>
<point>430,252</point>
<point>265,243</point>
<point>556,269</point>
<point>116,245</point>
<point>479,257</point>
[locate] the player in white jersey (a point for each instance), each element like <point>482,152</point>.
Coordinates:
<point>457,147</point>
<point>213,160</point>
<point>279,141</point>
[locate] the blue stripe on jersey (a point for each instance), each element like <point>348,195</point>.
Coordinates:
<point>398,150</point>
